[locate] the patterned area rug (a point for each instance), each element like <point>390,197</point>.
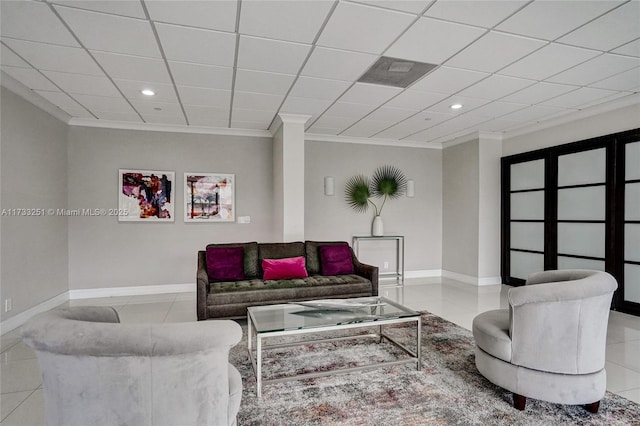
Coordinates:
<point>448,390</point>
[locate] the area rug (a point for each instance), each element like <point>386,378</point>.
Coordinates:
<point>448,390</point>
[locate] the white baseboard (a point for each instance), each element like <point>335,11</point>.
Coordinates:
<point>425,273</point>
<point>471,279</point>
<point>90,293</point>
<point>19,319</point>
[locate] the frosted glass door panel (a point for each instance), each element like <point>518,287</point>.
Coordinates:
<point>582,167</point>
<point>582,203</point>
<point>584,239</point>
<point>632,201</point>
<point>632,242</point>
<point>527,236</point>
<point>575,263</point>
<point>525,264</point>
<point>527,205</point>
<point>632,283</point>
<point>529,175</point>
<point>632,161</point>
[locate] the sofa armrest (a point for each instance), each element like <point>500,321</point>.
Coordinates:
<point>367,271</point>
<point>202,285</point>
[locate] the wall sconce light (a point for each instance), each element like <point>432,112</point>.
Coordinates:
<point>329,188</point>
<point>410,188</point>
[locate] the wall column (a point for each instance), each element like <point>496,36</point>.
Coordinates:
<point>288,177</point>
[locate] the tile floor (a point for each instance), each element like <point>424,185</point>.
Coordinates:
<point>22,401</point>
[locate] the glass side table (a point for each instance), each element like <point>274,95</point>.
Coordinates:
<point>399,247</point>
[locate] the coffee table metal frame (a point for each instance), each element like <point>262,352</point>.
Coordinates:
<point>415,356</point>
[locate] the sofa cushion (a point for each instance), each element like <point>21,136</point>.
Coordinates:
<point>225,263</point>
<point>251,267</point>
<point>313,255</point>
<point>491,332</point>
<point>279,269</point>
<point>310,281</point>
<point>336,260</point>
<point>278,251</point>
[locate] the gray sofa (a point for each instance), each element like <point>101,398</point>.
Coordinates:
<point>230,299</point>
<point>96,371</point>
<point>550,343</point>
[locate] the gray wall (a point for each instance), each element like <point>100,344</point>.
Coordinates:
<point>106,253</point>
<point>34,250</point>
<point>419,218</point>
<point>460,208</point>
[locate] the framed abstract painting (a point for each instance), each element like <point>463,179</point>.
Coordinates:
<point>209,197</point>
<point>146,196</point>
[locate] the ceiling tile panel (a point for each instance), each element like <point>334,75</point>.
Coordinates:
<point>202,114</point>
<point>606,99</point>
<point>369,94</point>
<point>125,35</point>
<point>628,80</point>
<point>610,31</point>
<point>133,67</point>
<point>535,113</point>
<point>484,14</point>
<point>258,101</point>
<point>252,115</point>
<point>337,64</point>
<point>119,116</point>
<point>7,57</point>
<point>495,109</point>
<point>55,58</point>
<point>322,130</point>
<point>468,104</point>
<point>599,68</point>
<point>412,99</point>
<point>334,122</point>
<point>284,20</point>
<point>414,124</point>
<point>215,15</point>
<point>160,109</point>
<point>632,49</point>
<point>500,125</point>
<point>196,45</point>
<point>318,88</point>
<point>494,51</point>
<point>131,9</point>
<point>201,75</point>
<point>97,104</point>
<point>559,17</point>
<point>30,78</point>
<point>425,42</point>
<point>164,120</point>
<point>205,97</point>
<point>375,30</point>
<point>83,84</point>
<point>448,80</point>
<point>132,89</point>
<point>294,105</point>
<point>548,61</point>
<point>495,87</point>
<point>263,82</point>
<point>270,55</point>
<point>539,92</point>
<point>386,113</point>
<point>79,113</point>
<point>34,21</point>
<point>61,100</point>
<point>409,6</point>
<point>209,122</point>
<point>578,97</point>
<point>366,128</point>
<point>349,110</point>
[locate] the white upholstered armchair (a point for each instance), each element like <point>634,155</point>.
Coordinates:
<point>96,371</point>
<point>550,343</point>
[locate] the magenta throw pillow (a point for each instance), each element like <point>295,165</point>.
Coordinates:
<point>336,260</point>
<point>283,269</point>
<point>225,263</point>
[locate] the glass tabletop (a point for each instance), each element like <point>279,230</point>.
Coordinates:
<point>326,313</point>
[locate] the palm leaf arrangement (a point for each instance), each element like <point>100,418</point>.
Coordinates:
<point>387,182</point>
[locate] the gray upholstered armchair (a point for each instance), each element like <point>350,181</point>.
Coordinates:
<point>96,371</point>
<point>550,343</point>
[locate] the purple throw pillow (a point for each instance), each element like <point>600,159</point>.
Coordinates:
<point>336,260</point>
<point>225,263</point>
<point>283,269</point>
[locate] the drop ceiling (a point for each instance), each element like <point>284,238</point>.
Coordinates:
<point>237,64</point>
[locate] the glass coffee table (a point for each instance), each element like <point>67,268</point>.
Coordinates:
<point>329,315</point>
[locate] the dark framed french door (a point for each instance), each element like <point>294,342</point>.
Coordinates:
<point>575,206</point>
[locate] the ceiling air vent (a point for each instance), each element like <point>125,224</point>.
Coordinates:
<point>395,72</point>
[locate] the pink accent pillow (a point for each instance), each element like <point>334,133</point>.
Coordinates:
<point>225,263</point>
<point>336,260</point>
<point>282,269</point>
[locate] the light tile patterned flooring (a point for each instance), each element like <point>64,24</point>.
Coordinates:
<point>22,401</point>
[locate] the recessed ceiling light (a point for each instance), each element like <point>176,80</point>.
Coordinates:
<point>148,92</point>
<point>456,106</point>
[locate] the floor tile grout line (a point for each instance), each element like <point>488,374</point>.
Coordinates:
<point>17,406</point>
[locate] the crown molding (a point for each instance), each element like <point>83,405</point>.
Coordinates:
<point>369,141</point>
<point>32,97</point>
<point>153,127</point>
<point>619,103</point>
<point>287,118</point>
